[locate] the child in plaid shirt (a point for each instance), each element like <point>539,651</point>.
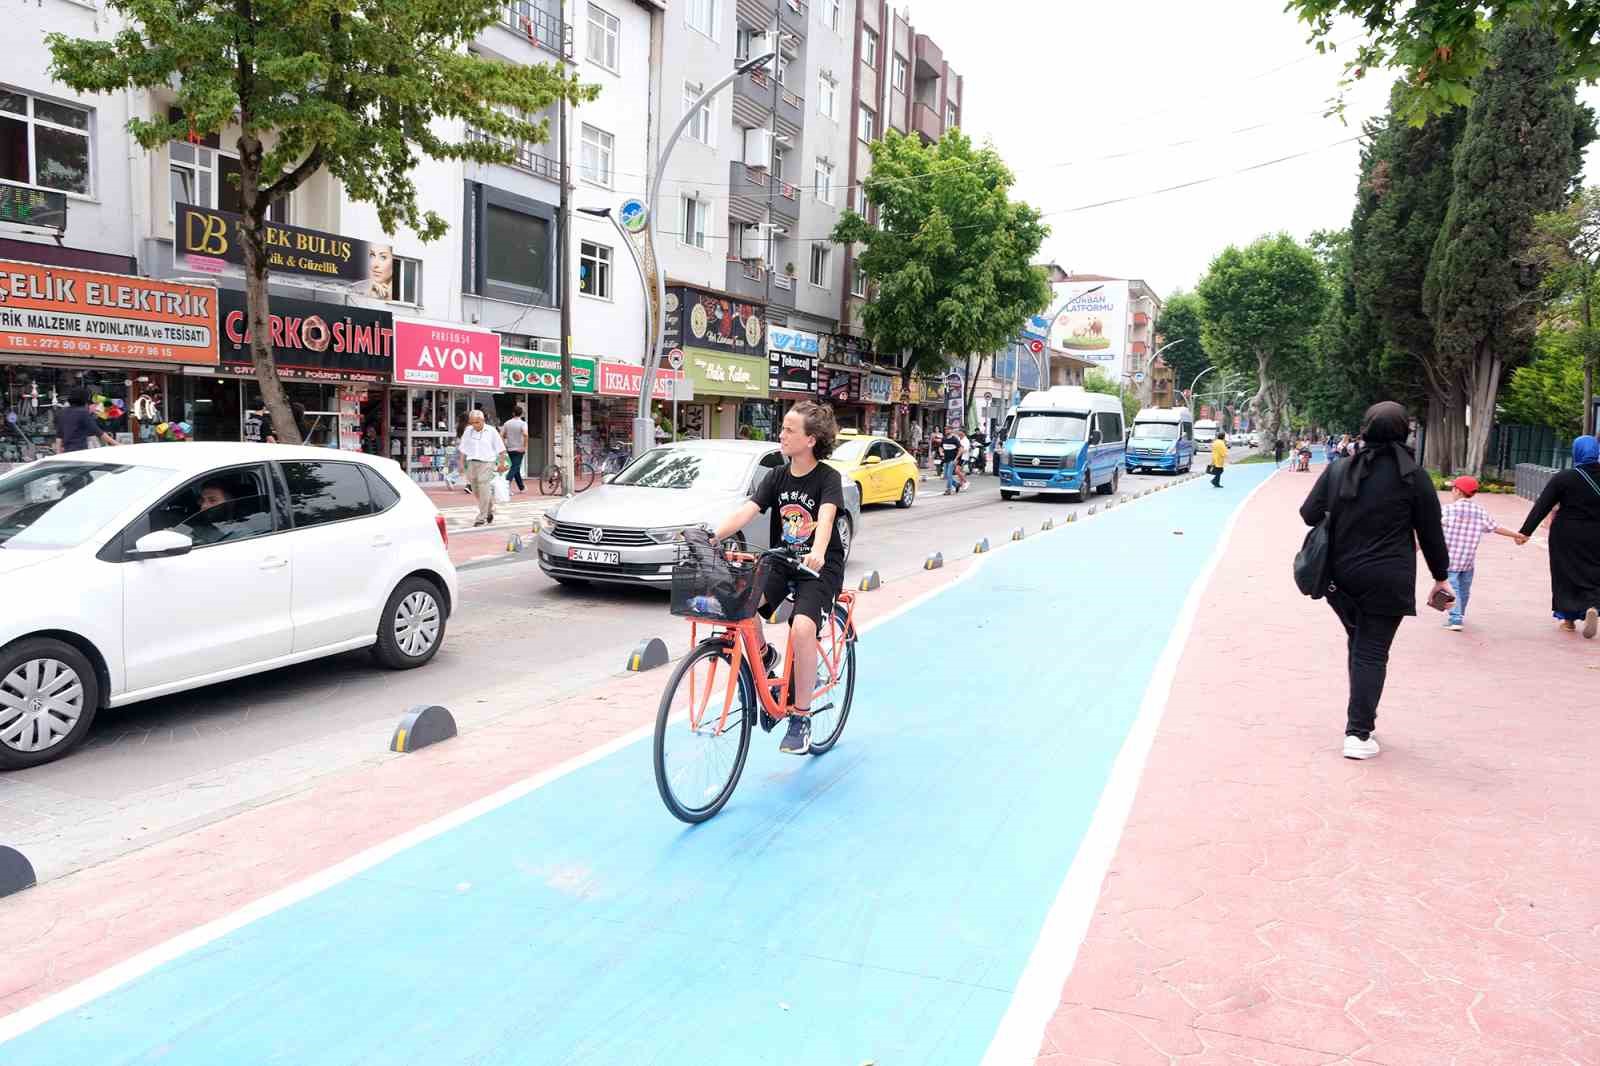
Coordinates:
<point>1465,524</point>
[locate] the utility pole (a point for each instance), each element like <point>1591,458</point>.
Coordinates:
<point>569,445</point>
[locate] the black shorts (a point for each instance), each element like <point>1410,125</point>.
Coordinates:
<point>812,595</point>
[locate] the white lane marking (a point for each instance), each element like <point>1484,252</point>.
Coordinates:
<point>1038,991</point>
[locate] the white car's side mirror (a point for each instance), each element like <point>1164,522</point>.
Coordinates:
<point>162,544</point>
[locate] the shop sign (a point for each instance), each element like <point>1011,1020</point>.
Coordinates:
<point>838,386</point>
<point>541,372</point>
<point>718,374</point>
<point>626,379</point>
<point>707,320</point>
<point>37,208</point>
<point>798,342</point>
<point>633,215</point>
<point>847,350</point>
<point>209,240</point>
<point>348,343</point>
<point>445,356</point>
<point>791,371</point>
<point>55,311</point>
<point>879,388</point>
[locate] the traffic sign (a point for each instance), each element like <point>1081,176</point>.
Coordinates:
<point>1036,347</point>
<point>1138,377</point>
<point>633,215</point>
<point>675,359</point>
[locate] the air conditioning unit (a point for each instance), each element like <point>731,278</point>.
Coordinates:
<point>752,242</point>
<point>758,148</point>
<point>761,44</point>
<point>547,345</point>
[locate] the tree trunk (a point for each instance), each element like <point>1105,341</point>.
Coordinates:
<point>1588,359</point>
<point>1483,380</point>
<point>972,388</point>
<point>1434,452</point>
<point>258,316</point>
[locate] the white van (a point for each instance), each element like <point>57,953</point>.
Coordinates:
<point>1205,431</point>
<point>1063,440</point>
<point>1163,439</point>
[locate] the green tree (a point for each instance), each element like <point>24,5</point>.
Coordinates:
<point>1520,151</point>
<point>358,91</point>
<point>1345,367</point>
<point>1260,304</point>
<point>1569,246</point>
<point>1181,320</point>
<point>1401,202</point>
<point>1549,390</point>
<point>1100,381</point>
<point>950,260</point>
<point>1443,46</point>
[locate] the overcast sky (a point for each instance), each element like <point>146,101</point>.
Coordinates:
<point>1058,85</point>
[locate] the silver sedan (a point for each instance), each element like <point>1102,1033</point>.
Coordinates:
<point>623,531</point>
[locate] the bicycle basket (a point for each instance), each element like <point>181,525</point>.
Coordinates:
<point>706,586</point>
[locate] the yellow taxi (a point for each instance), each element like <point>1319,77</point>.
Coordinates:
<point>885,471</point>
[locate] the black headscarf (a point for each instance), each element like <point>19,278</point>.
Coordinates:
<point>1384,429</point>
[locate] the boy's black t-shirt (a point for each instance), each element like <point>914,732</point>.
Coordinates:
<point>795,502</point>
<point>951,447</point>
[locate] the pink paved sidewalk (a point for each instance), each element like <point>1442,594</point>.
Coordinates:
<point>1272,902</point>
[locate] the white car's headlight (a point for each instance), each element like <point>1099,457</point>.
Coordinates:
<point>665,534</point>
<point>547,521</point>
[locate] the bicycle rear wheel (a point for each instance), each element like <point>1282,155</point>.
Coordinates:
<point>550,484</point>
<point>583,476</point>
<point>834,645</point>
<point>699,749</point>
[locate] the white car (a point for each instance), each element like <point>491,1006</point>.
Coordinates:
<point>148,569</point>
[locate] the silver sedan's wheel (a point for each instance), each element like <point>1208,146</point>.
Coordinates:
<point>41,702</point>
<point>416,623</point>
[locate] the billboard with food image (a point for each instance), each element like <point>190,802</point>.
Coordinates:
<point>1095,324</point>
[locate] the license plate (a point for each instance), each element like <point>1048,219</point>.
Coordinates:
<point>594,555</point>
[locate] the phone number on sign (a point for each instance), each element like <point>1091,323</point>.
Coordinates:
<point>27,342</point>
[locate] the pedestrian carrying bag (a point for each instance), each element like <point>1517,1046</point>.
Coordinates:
<point>502,489</point>
<point>1313,563</point>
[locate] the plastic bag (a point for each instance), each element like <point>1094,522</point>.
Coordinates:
<point>502,489</point>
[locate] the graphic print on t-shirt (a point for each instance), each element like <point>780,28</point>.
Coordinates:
<point>798,525</point>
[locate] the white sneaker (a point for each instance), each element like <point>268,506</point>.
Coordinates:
<point>1591,623</point>
<point>1356,748</point>
<point>1454,627</point>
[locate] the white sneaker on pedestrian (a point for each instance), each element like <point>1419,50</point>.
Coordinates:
<point>1454,627</point>
<point>1356,748</point>
<point>1591,623</point>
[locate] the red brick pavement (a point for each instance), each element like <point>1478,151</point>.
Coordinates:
<point>1272,902</point>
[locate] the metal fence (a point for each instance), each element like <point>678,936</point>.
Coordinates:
<point>1511,447</point>
<point>1532,479</point>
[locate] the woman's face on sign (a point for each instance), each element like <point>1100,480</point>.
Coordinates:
<point>380,264</point>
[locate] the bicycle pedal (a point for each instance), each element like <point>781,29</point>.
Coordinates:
<point>766,721</point>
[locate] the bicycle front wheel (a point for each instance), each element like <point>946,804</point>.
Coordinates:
<point>703,733</point>
<point>583,476</point>
<point>550,484</point>
<point>836,665</point>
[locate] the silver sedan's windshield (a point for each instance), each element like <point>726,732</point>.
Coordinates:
<point>710,469</point>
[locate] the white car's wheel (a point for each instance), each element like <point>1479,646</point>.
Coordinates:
<point>49,693</point>
<point>412,626</point>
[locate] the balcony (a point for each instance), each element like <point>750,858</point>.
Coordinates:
<point>926,122</point>
<point>1140,318</point>
<point>747,193</point>
<point>754,100</point>
<point>1138,347</point>
<point>785,202</point>
<point>757,15</point>
<point>930,60</point>
<point>544,28</point>
<point>523,156</point>
<point>747,278</point>
<point>783,286</point>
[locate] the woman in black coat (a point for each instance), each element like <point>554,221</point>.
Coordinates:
<point>1574,537</point>
<point>1383,505</point>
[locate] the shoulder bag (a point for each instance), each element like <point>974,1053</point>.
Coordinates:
<point>1314,561</point>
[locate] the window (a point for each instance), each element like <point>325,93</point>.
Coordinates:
<point>384,495</point>
<point>605,37</point>
<point>206,177</point>
<point>780,159</point>
<point>518,253</point>
<point>869,124</point>
<point>825,182</point>
<point>869,46</point>
<point>831,13</point>
<point>320,493</point>
<point>44,144</point>
<point>594,270</point>
<point>218,507</point>
<point>900,72</point>
<point>827,96</point>
<point>407,281</point>
<point>821,255</point>
<point>1110,427</point>
<point>595,156</point>
<point>951,119</point>
<point>694,221</point>
<point>700,127</point>
<point>860,199</point>
<point>702,15</point>
<point>858,283</point>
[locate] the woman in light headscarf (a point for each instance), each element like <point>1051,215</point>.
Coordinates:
<point>1383,506</point>
<point>1574,495</point>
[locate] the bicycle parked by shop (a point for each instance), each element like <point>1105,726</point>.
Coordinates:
<point>714,697</point>
<point>583,475</point>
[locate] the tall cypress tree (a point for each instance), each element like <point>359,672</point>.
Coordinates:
<point>1520,152</point>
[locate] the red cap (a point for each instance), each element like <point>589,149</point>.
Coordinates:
<point>1467,486</point>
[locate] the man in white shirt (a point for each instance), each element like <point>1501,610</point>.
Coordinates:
<point>515,432</point>
<point>480,454</point>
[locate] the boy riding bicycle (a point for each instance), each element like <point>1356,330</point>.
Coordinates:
<point>804,499</point>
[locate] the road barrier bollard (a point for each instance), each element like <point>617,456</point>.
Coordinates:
<point>16,872</point>
<point>651,653</point>
<point>1094,510</point>
<point>871,583</point>
<point>1072,516</point>
<point>514,542</point>
<point>1018,533</point>
<point>981,547</point>
<point>424,724</point>
<point>1049,524</point>
<point>934,562</point>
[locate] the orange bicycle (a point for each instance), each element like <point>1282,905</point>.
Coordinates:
<point>714,699</point>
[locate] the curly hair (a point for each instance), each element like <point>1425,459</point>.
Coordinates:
<point>819,423</point>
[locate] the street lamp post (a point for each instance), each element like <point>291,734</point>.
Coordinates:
<point>643,427</point>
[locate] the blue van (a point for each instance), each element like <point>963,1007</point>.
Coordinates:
<point>1064,440</point>
<point>1162,440</point>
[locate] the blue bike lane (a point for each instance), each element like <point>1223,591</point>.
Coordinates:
<point>878,904</point>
